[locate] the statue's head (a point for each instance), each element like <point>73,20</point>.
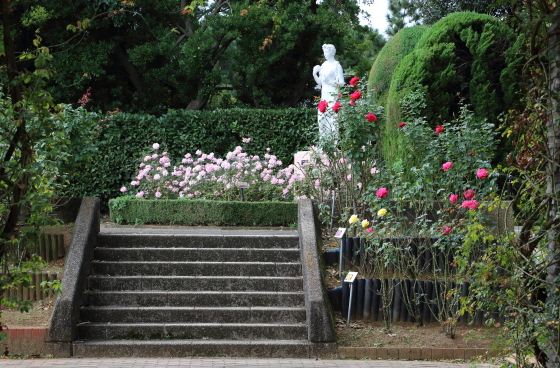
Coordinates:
<point>328,48</point>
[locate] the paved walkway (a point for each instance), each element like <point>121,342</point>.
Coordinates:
<point>226,363</point>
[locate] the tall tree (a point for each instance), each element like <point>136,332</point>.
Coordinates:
<point>401,14</point>
<point>149,56</point>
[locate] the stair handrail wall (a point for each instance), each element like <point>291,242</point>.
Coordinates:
<point>66,313</point>
<point>319,315</point>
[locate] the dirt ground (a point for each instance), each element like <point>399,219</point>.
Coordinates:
<point>40,314</point>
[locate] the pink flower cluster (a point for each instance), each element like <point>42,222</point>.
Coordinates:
<point>204,175</point>
<point>471,204</point>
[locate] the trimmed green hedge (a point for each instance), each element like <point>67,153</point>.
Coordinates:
<point>389,57</point>
<point>130,210</point>
<point>121,139</point>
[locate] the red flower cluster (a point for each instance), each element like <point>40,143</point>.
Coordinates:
<point>370,117</point>
<point>439,129</point>
<point>323,106</point>
<point>356,95</point>
<point>354,81</point>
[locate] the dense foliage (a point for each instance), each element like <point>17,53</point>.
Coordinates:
<point>148,56</point>
<point>119,140</point>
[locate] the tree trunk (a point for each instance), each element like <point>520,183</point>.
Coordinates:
<point>20,136</point>
<point>554,183</point>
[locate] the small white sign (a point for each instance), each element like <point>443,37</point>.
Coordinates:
<point>242,185</point>
<point>340,232</point>
<point>351,277</point>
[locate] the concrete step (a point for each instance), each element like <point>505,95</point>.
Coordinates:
<point>127,268</point>
<point>198,298</point>
<point>196,283</point>
<point>199,348</point>
<point>196,254</point>
<point>193,314</point>
<point>198,241</point>
<point>177,331</point>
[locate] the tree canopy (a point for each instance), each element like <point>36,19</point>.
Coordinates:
<point>149,56</point>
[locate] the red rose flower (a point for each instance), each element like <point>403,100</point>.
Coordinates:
<point>402,125</point>
<point>354,81</point>
<point>469,194</point>
<point>336,107</point>
<point>323,106</point>
<point>356,95</point>
<point>439,129</point>
<point>370,117</point>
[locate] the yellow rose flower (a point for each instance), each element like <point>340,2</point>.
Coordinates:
<point>382,212</point>
<point>353,219</point>
<point>365,223</point>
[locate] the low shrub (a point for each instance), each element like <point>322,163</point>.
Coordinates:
<point>131,210</point>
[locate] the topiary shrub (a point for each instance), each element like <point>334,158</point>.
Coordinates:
<point>389,57</point>
<point>461,58</point>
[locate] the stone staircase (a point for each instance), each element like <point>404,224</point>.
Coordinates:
<point>223,293</point>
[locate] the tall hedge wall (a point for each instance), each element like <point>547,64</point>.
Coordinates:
<point>389,57</point>
<point>122,138</point>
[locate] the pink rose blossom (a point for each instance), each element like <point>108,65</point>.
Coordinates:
<point>317,183</point>
<point>140,194</point>
<point>439,129</point>
<point>482,173</point>
<point>354,81</point>
<point>382,193</point>
<point>157,177</point>
<point>155,146</point>
<point>371,118</point>
<point>123,189</point>
<point>198,152</point>
<point>453,197</point>
<point>446,231</point>
<point>158,194</point>
<point>374,170</point>
<point>154,156</point>
<point>446,166</point>
<point>469,194</point>
<point>471,205</point>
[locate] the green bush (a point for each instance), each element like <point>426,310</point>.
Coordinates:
<point>131,210</point>
<point>120,139</point>
<point>460,58</point>
<point>389,57</point>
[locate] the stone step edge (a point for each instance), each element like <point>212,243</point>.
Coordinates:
<point>189,324</point>
<point>384,353</point>
<point>203,308</point>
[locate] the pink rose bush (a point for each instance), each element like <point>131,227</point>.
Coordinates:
<point>206,176</point>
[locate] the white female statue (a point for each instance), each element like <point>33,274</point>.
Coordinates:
<point>329,77</point>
